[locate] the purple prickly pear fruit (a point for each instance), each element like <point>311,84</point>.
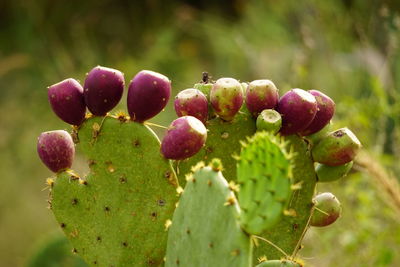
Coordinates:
<point>325,111</point>
<point>298,109</point>
<point>327,210</point>
<point>260,95</point>
<point>226,98</point>
<point>148,94</point>
<point>66,100</point>
<point>184,138</point>
<point>269,120</point>
<point>56,150</point>
<point>103,89</point>
<point>337,148</point>
<point>191,102</point>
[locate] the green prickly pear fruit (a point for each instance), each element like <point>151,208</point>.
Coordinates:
<point>269,120</point>
<point>226,97</point>
<point>56,149</point>
<point>103,89</point>
<point>327,210</point>
<point>191,102</point>
<point>337,148</point>
<point>184,138</point>
<point>67,101</point>
<point>279,263</point>
<point>326,173</point>
<point>148,94</point>
<point>260,95</point>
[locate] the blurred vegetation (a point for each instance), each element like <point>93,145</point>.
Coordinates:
<point>349,49</point>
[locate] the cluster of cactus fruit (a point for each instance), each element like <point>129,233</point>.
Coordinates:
<point>232,183</point>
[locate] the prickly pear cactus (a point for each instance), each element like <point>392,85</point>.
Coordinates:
<point>264,191</point>
<point>116,214</point>
<point>205,230</point>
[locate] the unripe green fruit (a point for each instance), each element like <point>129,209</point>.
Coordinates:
<point>327,210</point>
<point>269,120</point>
<point>326,173</point>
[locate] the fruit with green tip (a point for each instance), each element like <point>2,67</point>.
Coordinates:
<point>184,138</point>
<point>326,173</point>
<point>56,149</point>
<point>269,120</point>
<point>226,98</point>
<point>260,95</point>
<point>279,263</point>
<point>327,210</point>
<point>67,101</point>
<point>337,148</point>
<point>326,109</point>
<point>298,109</point>
<point>148,94</point>
<point>191,102</point>
<point>103,89</point>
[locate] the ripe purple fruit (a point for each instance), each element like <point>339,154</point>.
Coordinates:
<point>298,109</point>
<point>191,102</point>
<point>337,148</point>
<point>325,111</point>
<point>226,98</point>
<point>148,94</point>
<point>184,138</point>
<point>103,89</point>
<point>56,150</point>
<point>66,100</point>
<point>260,95</point>
<point>327,210</point>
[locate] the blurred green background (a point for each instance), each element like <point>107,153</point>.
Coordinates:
<point>349,49</point>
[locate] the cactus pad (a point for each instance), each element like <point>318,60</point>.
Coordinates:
<point>115,215</point>
<point>263,172</point>
<point>204,230</point>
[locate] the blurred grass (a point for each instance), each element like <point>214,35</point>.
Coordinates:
<point>349,49</point>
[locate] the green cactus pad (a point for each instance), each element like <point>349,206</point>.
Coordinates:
<point>263,172</point>
<point>279,263</point>
<point>115,215</point>
<point>222,142</point>
<point>287,233</point>
<point>204,230</point>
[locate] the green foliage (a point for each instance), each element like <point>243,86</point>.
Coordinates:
<point>205,230</point>
<point>116,214</point>
<point>264,176</point>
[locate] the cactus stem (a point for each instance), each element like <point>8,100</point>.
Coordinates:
<point>298,245</point>
<point>255,237</point>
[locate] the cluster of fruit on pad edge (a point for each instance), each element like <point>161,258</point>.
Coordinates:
<point>273,151</point>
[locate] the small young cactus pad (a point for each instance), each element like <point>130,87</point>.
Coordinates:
<point>103,89</point>
<point>264,192</point>
<point>204,230</point>
<point>327,210</point>
<point>56,149</point>
<point>184,138</point>
<point>116,214</point>
<point>148,94</point>
<point>67,101</point>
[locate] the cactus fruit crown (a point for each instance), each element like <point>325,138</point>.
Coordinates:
<point>256,185</point>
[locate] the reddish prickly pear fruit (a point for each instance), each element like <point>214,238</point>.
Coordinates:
<point>226,98</point>
<point>269,120</point>
<point>184,138</point>
<point>191,102</point>
<point>148,94</point>
<point>103,89</point>
<point>66,100</point>
<point>337,148</point>
<point>260,95</point>
<point>325,111</point>
<point>298,109</point>
<point>56,150</point>
<point>327,210</point>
